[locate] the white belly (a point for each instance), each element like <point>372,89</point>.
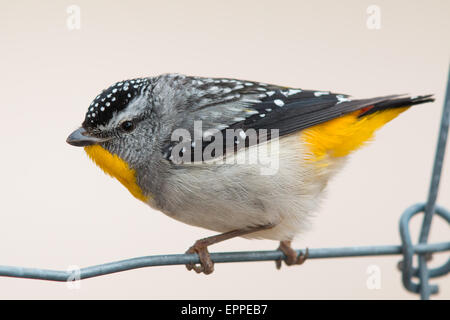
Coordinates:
<point>283,190</point>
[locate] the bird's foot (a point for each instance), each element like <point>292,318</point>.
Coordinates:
<point>206,264</point>
<point>291,255</point>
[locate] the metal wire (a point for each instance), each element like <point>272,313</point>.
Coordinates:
<point>429,210</point>
<point>223,257</point>
<point>407,249</point>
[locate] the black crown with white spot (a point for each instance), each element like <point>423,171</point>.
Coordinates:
<point>113,100</point>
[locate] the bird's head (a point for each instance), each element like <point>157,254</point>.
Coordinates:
<point>117,131</point>
<point>118,119</point>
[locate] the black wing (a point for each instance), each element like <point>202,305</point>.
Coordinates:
<point>262,106</point>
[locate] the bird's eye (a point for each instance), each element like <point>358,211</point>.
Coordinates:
<point>127,126</point>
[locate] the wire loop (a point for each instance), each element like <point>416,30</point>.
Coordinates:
<point>408,270</point>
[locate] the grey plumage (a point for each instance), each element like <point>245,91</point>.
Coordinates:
<point>214,194</point>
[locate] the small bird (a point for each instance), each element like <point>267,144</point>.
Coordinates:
<point>242,158</point>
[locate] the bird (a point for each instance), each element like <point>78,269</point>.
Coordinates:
<point>242,158</point>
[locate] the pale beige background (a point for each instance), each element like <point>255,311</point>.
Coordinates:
<point>57,209</point>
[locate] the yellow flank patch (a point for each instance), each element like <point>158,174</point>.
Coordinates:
<point>340,136</point>
<point>117,168</point>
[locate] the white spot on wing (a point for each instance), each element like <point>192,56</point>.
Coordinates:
<point>341,98</point>
<point>278,102</point>
<point>293,91</point>
<point>251,112</point>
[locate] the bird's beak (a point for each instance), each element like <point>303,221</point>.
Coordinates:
<point>80,138</point>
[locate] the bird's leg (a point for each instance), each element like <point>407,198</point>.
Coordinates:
<point>200,247</point>
<point>291,255</point>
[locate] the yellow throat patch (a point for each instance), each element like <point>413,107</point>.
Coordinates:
<point>117,168</point>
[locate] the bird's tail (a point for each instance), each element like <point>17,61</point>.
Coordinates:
<point>341,136</point>
<point>394,103</point>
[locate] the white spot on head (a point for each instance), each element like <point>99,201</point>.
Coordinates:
<point>270,93</point>
<point>261,89</point>
<point>262,115</point>
<point>114,90</point>
<point>102,109</point>
<point>268,109</point>
<point>107,104</point>
<point>278,102</point>
<point>113,99</point>
<point>248,84</point>
<point>321,93</point>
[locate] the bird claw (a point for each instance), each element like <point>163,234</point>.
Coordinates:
<point>291,255</point>
<point>206,264</point>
